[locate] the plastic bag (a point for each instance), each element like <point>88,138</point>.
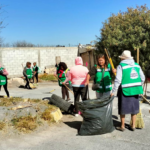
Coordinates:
<point>61,103</point>
<point>97,116</point>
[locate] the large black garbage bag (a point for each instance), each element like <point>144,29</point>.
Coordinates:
<point>61,103</point>
<point>97,116</point>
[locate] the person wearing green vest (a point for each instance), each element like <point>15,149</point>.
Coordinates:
<point>3,79</point>
<point>27,72</point>
<point>102,73</point>
<point>128,82</point>
<point>35,71</point>
<point>62,72</point>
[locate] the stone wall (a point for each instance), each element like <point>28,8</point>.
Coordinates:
<point>13,58</point>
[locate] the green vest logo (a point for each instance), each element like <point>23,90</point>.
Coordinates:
<point>133,74</point>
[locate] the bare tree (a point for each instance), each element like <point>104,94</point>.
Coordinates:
<point>23,44</point>
<point>5,45</point>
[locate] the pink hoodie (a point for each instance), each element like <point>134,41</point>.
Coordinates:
<point>4,71</point>
<point>78,74</point>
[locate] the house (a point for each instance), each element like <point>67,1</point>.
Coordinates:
<point>87,52</point>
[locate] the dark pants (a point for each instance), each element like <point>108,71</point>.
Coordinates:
<point>65,92</point>
<point>36,76</point>
<point>79,91</point>
<point>5,88</point>
<point>27,84</point>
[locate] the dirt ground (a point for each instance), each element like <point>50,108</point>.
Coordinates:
<point>64,135</point>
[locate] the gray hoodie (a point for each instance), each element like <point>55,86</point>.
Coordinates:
<point>118,78</point>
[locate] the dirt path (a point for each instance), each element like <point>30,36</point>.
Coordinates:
<point>63,136</point>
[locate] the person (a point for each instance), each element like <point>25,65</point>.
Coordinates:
<point>62,72</point>
<point>27,72</point>
<point>35,71</point>
<point>3,79</point>
<point>77,76</point>
<point>129,80</point>
<point>102,73</point>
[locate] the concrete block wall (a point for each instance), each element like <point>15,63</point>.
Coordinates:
<point>13,58</point>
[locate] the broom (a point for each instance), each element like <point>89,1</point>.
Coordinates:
<point>65,85</point>
<point>139,119</point>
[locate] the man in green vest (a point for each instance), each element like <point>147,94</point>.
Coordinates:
<point>130,78</point>
<point>35,71</point>
<point>27,72</point>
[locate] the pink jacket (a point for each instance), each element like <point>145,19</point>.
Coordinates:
<point>78,74</point>
<point>4,71</point>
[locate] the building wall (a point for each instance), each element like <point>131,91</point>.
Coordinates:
<point>88,58</point>
<point>13,58</point>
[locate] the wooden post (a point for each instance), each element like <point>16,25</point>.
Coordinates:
<point>146,79</point>
<point>138,55</point>
<point>89,61</point>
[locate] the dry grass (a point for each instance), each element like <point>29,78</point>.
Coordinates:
<point>48,77</point>
<point>25,124</point>
<point>35,100</point>
<point>28,123</point>
<point>9,101</point>
<point>39,102</point>
<point>2,125</point>
<point>46,115</point>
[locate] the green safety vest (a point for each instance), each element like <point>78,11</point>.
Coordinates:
<point>63,78</point>
<point>131,82</point>
<point>35,67</point>
<point>3,79</point>
<point>29,73</point>
<point>106,85</point>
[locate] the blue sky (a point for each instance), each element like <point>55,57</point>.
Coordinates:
<point>52,22</point>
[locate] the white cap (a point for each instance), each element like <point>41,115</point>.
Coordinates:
<point>126,55</point>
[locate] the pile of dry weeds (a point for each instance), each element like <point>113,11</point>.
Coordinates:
<point>48,77</point>
<point>9,101</point>
<point>25,124</point>
<point>25,115</point>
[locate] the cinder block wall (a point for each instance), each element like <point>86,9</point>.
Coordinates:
<point>13,58</point>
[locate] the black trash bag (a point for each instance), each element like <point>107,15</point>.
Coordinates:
<point>61,103</point>
<point>97,116</point>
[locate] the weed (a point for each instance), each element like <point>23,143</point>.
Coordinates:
<point>9,101</point>
<point>25,124</point>
<point>48,77</point>
<point>34,100</point>
<point>2,125</point>
<point>46,115</point>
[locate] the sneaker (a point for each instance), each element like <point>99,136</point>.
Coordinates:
<point>76,115</point>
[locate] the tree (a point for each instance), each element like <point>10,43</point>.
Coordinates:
<point>23,44</point>
<point>127,31</point>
